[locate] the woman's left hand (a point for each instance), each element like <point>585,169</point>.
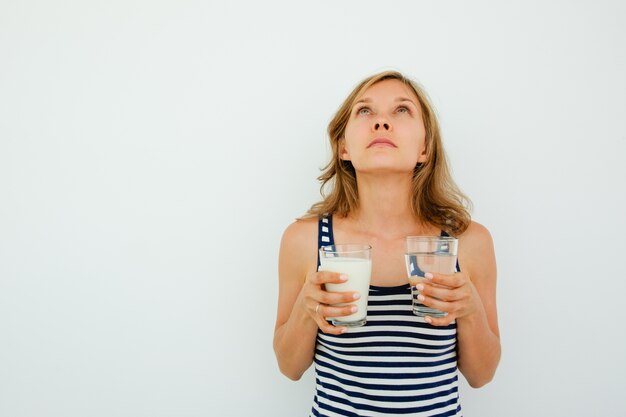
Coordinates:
<point>455,294</point>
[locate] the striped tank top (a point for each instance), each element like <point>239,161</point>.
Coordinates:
<point>397,364</point>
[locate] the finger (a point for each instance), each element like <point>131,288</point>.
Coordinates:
<point>441,293</point>
<point>329,297</point>
<point>328,328</point>
<point>435,303</point>
<point>337,311</point>
<point>440,321</point>
<point>324,310</point>
<point>328,311</point>
<point>448,280</point>
<point>324,277</point>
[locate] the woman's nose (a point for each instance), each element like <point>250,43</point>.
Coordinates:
<point>381,125</point>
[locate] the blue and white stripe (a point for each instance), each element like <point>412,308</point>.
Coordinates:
<point>396,364</point>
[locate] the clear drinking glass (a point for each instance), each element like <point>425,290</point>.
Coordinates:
<point>356,262</point>
<point>429,254</point>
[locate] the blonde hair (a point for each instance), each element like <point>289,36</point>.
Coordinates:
<point>436,198</point>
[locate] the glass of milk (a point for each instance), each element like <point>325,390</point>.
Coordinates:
<point>356,262</point>
<point>429,254</point>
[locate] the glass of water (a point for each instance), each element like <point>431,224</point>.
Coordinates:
<point>429,254</point>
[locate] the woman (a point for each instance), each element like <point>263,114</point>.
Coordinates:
<point>388,179</point>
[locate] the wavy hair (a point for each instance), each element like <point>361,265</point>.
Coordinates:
<point>436,198</point>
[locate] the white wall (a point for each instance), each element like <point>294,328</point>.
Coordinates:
<point>151,153</point>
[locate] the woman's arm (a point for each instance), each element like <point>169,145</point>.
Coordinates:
<point>478,333</point>
<point>470,298</point>
<point>300,292</point>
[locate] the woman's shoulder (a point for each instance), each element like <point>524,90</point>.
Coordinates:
<point>300,236</point>
<point>475,237</point>
<point>475,232</point>
<point>298,248</point>
<point>476,245</point>
<point>301,231</point>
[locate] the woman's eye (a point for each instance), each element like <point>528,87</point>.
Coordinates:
<point>363,110</point>
<point>403,109</point>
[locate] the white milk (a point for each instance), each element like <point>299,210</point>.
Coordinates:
<point>358,271</point>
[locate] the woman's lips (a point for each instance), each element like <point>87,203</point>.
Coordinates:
<point>382,142</point>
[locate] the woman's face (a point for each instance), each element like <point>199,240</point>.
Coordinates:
<point>385,132</point>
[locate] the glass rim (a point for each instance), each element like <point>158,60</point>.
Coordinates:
<point>430,238</point>
<point>354,248</point>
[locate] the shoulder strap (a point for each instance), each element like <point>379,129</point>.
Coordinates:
<point>324,234</point>
<point>444,234</point>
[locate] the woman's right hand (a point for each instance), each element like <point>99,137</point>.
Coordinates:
<point>320,303</point>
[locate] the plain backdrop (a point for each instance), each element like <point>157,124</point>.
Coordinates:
<point>152,153</point>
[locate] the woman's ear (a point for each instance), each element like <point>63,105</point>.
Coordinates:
<point>343,151</point>
<point>421,158</point>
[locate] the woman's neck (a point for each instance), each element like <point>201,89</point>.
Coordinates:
<point>385,206</point>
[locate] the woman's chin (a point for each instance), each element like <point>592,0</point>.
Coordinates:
<point>385,170</point>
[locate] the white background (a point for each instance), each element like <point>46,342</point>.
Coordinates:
<point>152,153</point>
